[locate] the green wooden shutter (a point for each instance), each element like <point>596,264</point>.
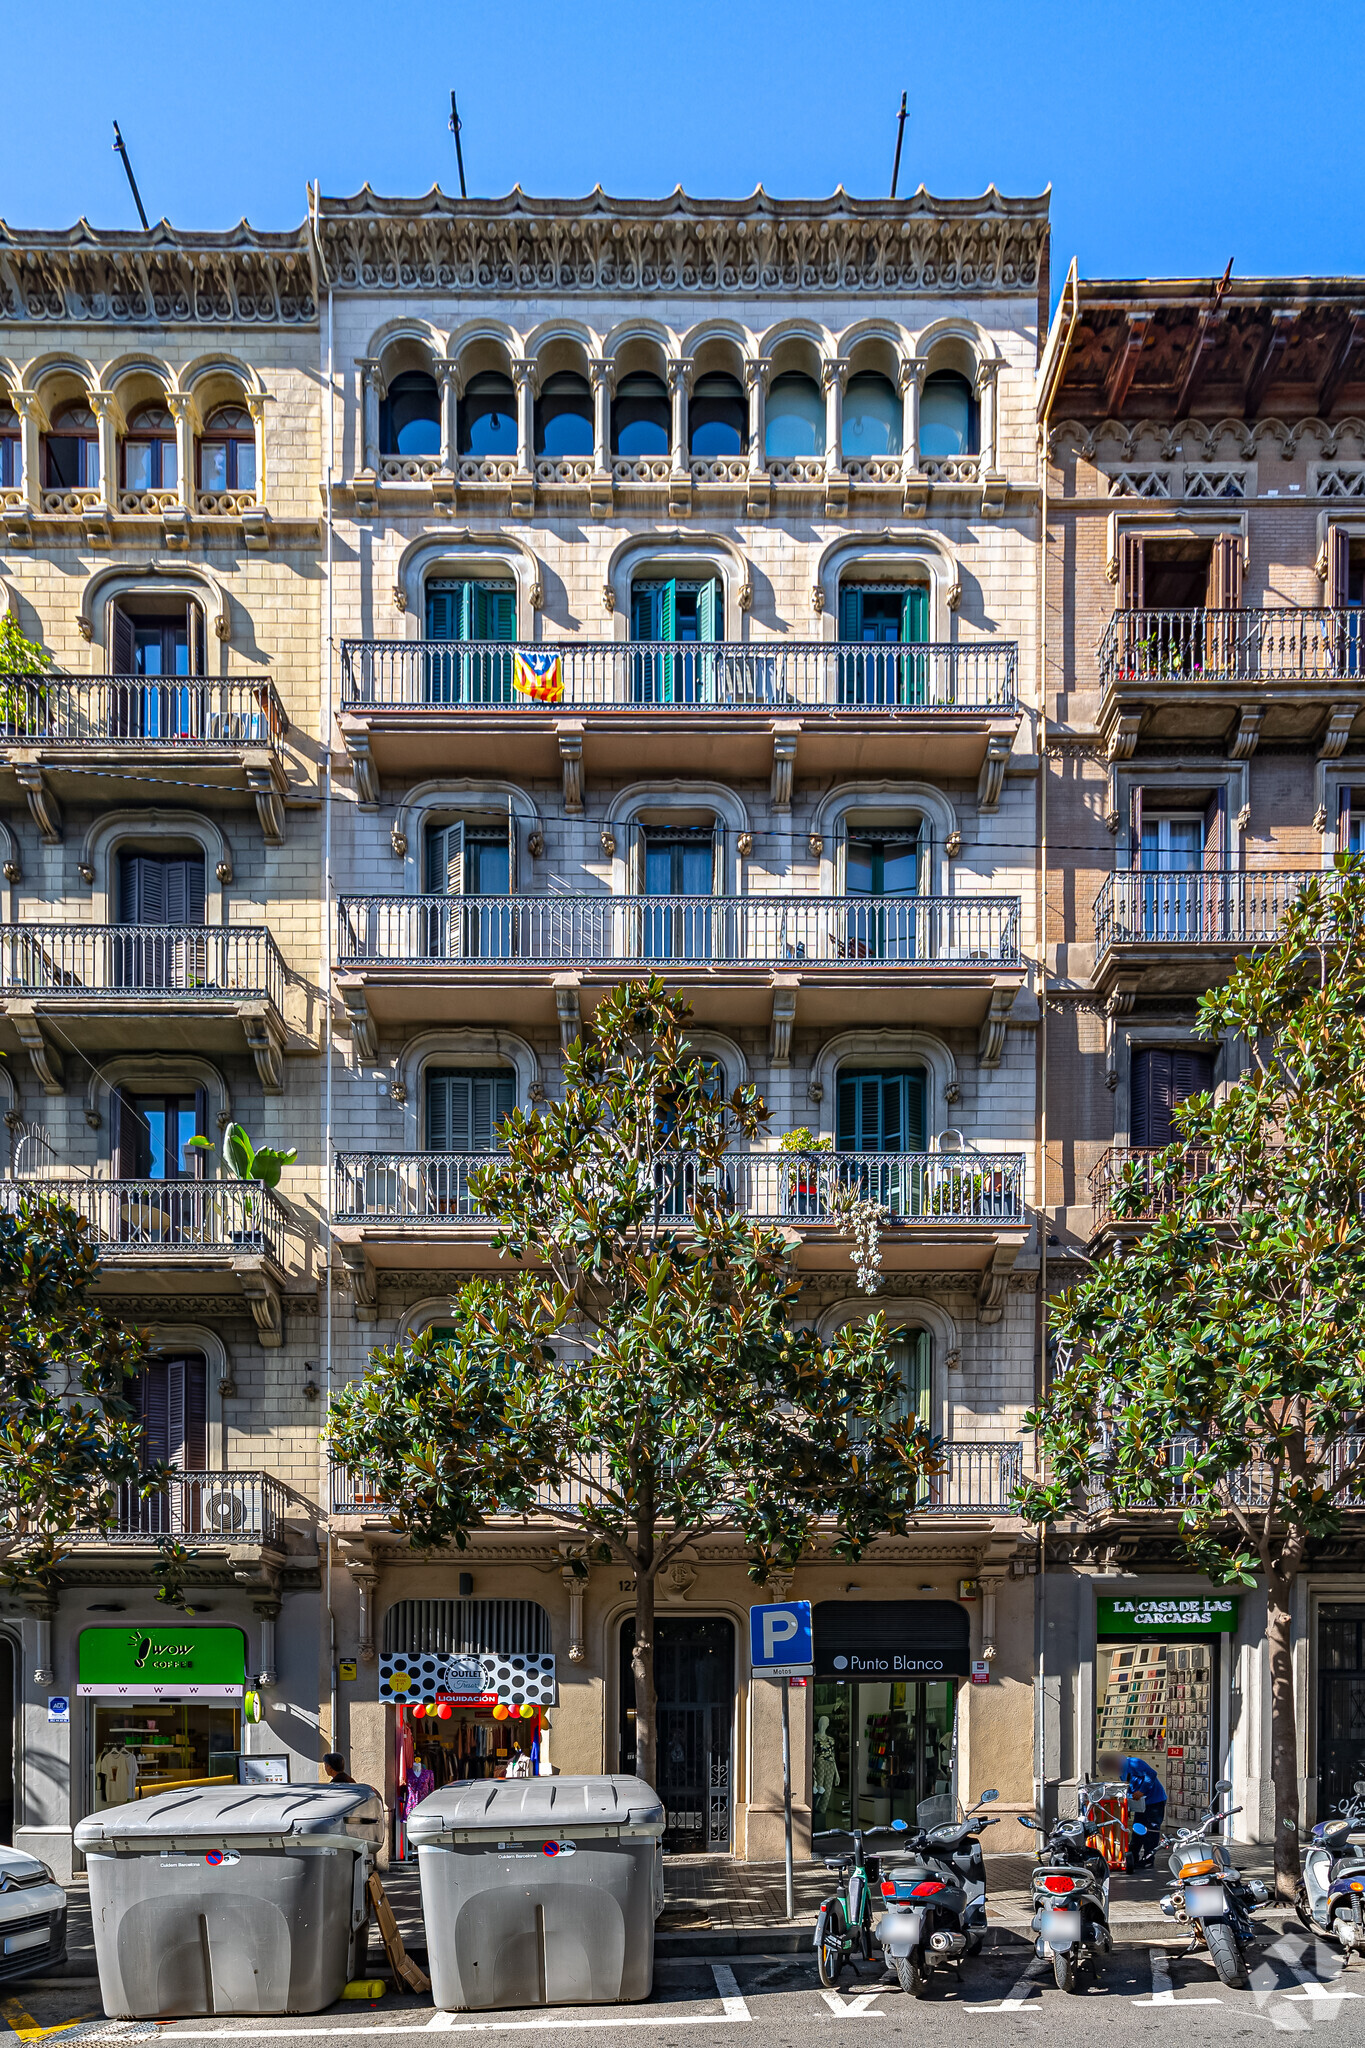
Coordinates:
<point>850,612</point>
<point>438,1113</point>
<point>644,611</point>
<point>914,676</point>
<point>915,1353</point>
<point>853,666</point>
<point>493,616</point>
<point>847,1139</point>
<point>709,610</point>
<point>913,1127</point>
<point>890,1137</point>
<point>668,610</point>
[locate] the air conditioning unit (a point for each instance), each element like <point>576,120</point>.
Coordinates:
<point>223,1509</point>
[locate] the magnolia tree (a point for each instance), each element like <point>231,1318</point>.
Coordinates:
<point>70,1435</point>
<point>636,1381</point>
<point>1232,1325</point>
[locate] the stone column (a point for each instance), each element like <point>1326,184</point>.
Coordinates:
<point>181,410</point>
<point>524,378</point>
<point>102,405</point>
<point>834,376</point>
<point>601,378</point>
<point>985,393</point>
<point>373,391</point>
<point>255,405</point>
<point>911,383</point>
<point>448,377</point>
<point>25,404</point>
<point>679,390</point>
<point>756,383</point>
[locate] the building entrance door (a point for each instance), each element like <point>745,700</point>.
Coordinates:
<point>694,1678</point>
<point>1341,1702</point>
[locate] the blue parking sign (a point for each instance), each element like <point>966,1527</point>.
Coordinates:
<point>780,1640</point>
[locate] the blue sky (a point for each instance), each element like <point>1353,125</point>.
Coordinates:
<point>1175,133</point>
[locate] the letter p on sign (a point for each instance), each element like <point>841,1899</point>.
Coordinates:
<point>779,1626</point>
<point>780,1639</point>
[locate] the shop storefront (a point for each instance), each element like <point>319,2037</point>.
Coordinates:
<point>470,1684</point>
<point>884,1707</point>
<point>1158,1682</point>
<point>164,1707</point>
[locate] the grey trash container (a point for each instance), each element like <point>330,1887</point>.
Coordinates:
<point>540,1891</point>
<point>231,1898</point>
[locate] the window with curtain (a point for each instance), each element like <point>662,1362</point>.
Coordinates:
<point>227,451</point>
<point>681,863</point>
<point>410,416</point>
<point>1162,1076</point>
<point>564,424</point>
<point>488,415</point>
<point>11,450</point>
<point>641,416</point>
<point>718,416</point>
<point>872,417</point>
<point>150,460</point>
<point>71,450</point>
<point>949,417</point>
<point>794,418</point>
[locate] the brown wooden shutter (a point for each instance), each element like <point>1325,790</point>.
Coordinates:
<point>1216,852</point>
<point>194,1441</point>
<point>1135,824</point>
<point>155,1418</point>
<point>1132,547</point>
<point>1191,1074</point>
<point>1338,566</point>
<point>122,653</point>
<point>1224,589</point>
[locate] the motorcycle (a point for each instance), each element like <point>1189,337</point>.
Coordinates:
<point>936,1900</point>
<point>1330,1898</point>
<point>1070,1889</point>
<point>1211,1897</point>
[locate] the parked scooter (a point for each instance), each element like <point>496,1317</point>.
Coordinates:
<point>1330,1898</point>
<point>1070,1887</point>
<point>936,1900</point>
<point>1211,1897</point>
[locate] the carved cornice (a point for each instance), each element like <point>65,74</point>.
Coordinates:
<point>682,245</point>
<point>237,279</point>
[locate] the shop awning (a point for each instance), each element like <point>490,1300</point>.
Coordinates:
<point>891,1639</point>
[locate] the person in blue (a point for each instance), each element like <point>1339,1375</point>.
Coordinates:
<point>1146,1801</point>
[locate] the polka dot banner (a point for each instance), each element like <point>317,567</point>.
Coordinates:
<point>513,1680</point>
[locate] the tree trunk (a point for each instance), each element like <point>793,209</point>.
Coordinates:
<point>642,1667</point>
<point>1284,1748</point>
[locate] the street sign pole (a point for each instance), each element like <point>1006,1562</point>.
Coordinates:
<point>785,1683</point>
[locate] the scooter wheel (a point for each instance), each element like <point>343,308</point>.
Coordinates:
<point>1301,1908</point>
<point>1227,1955</point>
<point>830,1950</point>
<point>1065,1971</point>
<point>913,1975</point>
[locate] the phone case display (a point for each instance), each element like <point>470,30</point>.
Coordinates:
<point>1158,1705</point>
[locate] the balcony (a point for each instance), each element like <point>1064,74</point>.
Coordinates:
<point>81,738</point>
<point>784,960</point>
<point>1236,677</point>
<point>979,1478</point>
<point>1177,931</point>
<point>215,1508</point>
<point>739,710</point>
<point>180,1238</point>
<point>1159,1194</point>
<point>96,988</point>
<point>1250,1487</point>
<point>945,1209</point>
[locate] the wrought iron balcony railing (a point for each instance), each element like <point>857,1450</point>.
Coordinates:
<point>1197,907</point>
<point>109,962</point>
<point>1159,1195</point>
<point>843,932</point>
<point>771,1187</point>
<point>159,1220</point>
<point>237,1507</point>
<point>1249,1487</point>
<point>141,711</point>
<point>617,675</point>
<point>1255,644</point>
<point>977,1479</point>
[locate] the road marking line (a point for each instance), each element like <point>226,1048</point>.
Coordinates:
<point>729,1993</point>
<point>1163,1991</point>
<point>1013,2001</point>
<point>26,2027</point>
<point>658,2016</point>
<point>858,2006</point>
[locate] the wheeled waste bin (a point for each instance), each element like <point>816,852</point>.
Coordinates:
<point>231,1898</point>
<point>540,1891</point>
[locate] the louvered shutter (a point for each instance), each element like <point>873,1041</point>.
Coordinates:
<point>914,1137</point>
<point>719,875</point>
<point>1131,591</point>
<point>889,1138</point>
<point>668,610</point>
<point>438,1113</point>
<point>1153,1096</point>
<point>195,1437</point>
<point>195,641</point>
<point>850,612</point>
<point>184,891</point>
<point>644,611</point>
<point>123,652</point>
<point>1338,591</point>
<point>1140,1108</point>
<point>1216,851</point>
<point>1191,1074</point>
<point>1344,821</point>
<point>847,1127</point>
<point>915,614</point>
<point>635,860</point>
<point>129,888</point>
<point>841,859</point>
<point>1224,587</point>
<point>445,860</point>
<point>1135,824</point>
<point>914,1355</point>
<point>512,838</point>
<point>448,611</point>
<point>710,610</point>
<point>156,1432</point>
<point>495,613</point>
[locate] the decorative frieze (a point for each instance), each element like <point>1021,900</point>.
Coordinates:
<point>237,279</point>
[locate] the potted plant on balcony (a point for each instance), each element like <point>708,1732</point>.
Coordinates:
<point>804,1182</point>
<point>22,700</point>
<point>260,1165</point>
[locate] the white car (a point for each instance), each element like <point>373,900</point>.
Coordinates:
<point>32,1916</point>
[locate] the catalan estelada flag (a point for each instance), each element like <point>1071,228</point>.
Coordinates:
<point>540,676</point>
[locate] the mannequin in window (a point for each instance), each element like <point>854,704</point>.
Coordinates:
<point>824,1772</point>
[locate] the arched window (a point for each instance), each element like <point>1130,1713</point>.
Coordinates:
<point>227,452</point>
<point>149,452</point>
<point>795,418</point>
<point>11,450</point>
<point>640,416</point>
<point>465,1105</point>
<point>410,417</point>
<point>718,416</point>
<point>564,415</point>
<point>949,418</point>
<point>913,1353</point>
<point>488,415</point>
<point>73,449</point>
<point>881,1109</point>
<point>872,417</point>
<point>874,619</point>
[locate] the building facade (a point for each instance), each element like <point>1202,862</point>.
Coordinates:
<point>1205,458</point>
<point>456,609</point>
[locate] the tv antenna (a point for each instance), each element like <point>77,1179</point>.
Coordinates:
<point>900,137</point>
<point>459,153</point>
<point>121,146</point>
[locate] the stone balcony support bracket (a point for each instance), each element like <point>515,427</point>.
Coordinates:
<point>990,1044</point>
<point>266,1040</point>
<point>995,1281</point>
<point>785,737</point>
<point>43,806</point>
<point>784,1017</point>
<point>991,781</point>
<point>364,1037</point>
<point>569,736</point>
<point>44,1057</point>
<point>266,779</point>
<point>360,1274</point>
<point>1250,719</point>
<point>1333,742</point>
<point>263,1297</point>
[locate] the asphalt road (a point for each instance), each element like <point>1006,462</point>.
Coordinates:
<point>1297,1987</point>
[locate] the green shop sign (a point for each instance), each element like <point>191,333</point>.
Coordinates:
<point>161,1664</point>
<point>1198,1614</point>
